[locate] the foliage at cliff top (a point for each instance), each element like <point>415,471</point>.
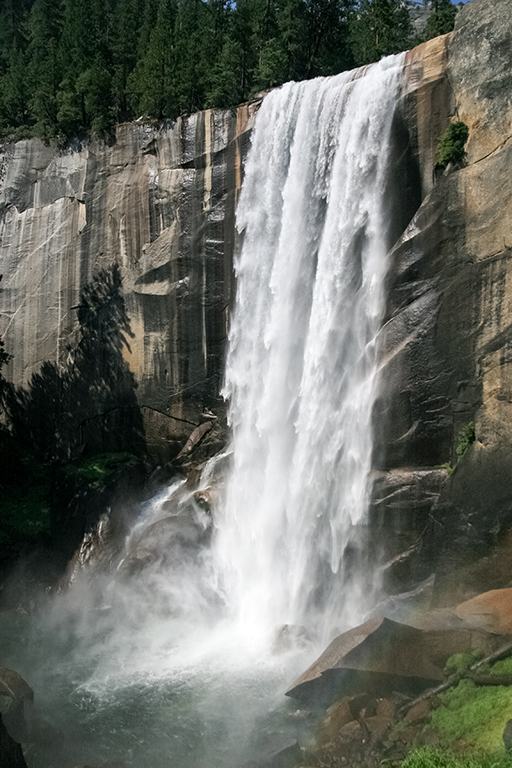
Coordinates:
<point>71,66</point>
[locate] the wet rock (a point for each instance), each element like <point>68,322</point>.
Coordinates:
<point>171,538</point>
<point>204,500</point>
<point>337,716</point>
<point>418,713</point>
<point>16,699</point>
<point>378,726</point>
<point>11,755</point>
<point>507,735</point>
<point>291,636</point>
<point>287,755</point>
<point>386,708</point>
<point>379,655</point>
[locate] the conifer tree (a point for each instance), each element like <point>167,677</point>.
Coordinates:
<point>85,94</point>
<point>128,19</point>
<point>441,19</point>
<point>379,28</point>
<point>45,70</point>
<point>153,80</point>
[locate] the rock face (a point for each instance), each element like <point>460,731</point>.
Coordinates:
<point>160,203</point>
<point>446,342</point>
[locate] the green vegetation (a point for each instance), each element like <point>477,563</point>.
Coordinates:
<point>503,667</point>
<point>466,438</point>
<point>24,492</point>
<point>434,757</point>
<point>74,66</point>
<point>460,662</point>
<point>474,716</point>
<point>450,147</point>
<point>101,468</point>
<point>442,18</point>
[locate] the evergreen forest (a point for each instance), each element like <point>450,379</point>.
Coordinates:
<point>71,67</point>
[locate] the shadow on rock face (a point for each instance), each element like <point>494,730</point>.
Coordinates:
<point>85,404</point>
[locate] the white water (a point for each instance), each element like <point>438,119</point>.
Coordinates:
<point>173,666</point>
<point>301,370</point>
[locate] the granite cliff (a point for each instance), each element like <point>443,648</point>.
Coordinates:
<point>160,201</point>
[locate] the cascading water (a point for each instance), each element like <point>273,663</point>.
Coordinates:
<point>171,664</point>
<point>301,369</point>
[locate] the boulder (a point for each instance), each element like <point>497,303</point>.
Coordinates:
<point>380,655</point>
<point>291,636</point>
<point>491,611</point>
<point>507,735</point>
<point>383,656</point>
<point>16,698</point>
<point>173,537</point>
<point>11,755</point>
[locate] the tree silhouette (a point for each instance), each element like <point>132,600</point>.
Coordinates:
<point>88,405</point>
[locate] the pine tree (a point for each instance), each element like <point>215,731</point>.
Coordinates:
<point>153,80</point>
<point>14,92</point>
<point>44,68</point>
<point>379,28</point>
<point>126,31</point>
<point>191,64</point>
<point>85,93</point>
<point>441,19</point>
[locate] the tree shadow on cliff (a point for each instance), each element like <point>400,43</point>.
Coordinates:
<point>88,404</point>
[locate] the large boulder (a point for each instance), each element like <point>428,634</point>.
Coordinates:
<point>378,656</point>
<point>491,611</point>
<point>16,699</point>
<point>11,755</point>
<point>382,656</point>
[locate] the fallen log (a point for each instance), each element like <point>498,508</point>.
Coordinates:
<point>503,652</point>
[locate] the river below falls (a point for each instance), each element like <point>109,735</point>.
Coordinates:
<point>222,710</point>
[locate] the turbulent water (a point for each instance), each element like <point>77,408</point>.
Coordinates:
<point>176,664</point>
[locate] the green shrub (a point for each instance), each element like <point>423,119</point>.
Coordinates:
<point>460,662</point>
<point>100,468</point>
<point>466,437</point>
<point>450,147</point>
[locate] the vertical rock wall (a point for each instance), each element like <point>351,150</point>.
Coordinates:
<point>446,360</point>
<point>159,202</point>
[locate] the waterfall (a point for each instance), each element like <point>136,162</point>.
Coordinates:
<point>301,370</point>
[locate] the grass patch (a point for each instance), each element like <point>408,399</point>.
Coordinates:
<point>503,667</point>
<point>434,757</point>
<point>99,469</point>
<point>474,716</point>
